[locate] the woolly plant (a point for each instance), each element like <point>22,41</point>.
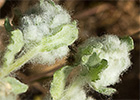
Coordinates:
<point>99,63</point>
<point>43,35</point>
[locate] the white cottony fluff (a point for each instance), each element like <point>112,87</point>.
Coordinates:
<point>76,93</point>
<point>117,55</point>
<point>58,19</point>
<point>40,21</point>
<point>50,57</point>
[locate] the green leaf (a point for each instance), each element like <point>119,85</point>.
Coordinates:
<point>129,42</point>
<point>17,86</point>
<point>93,60</point>
<point>87,50</point>
<point>51,2</point>
<point>97,69</point>
<point>15,45</point>
<point>7,25</point>
<point>106,90</point>
<point>64,37</point>
<point>83,54</point>
<point>59,82</point>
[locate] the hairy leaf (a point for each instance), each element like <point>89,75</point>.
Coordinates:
<point>94,71</point>
<point>16,86</point>
<point>59,82</point>
<point>106,90</point>
<point>129,42</point>
<point>15,45</point>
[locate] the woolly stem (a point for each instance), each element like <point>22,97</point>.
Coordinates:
<point>19,62</point>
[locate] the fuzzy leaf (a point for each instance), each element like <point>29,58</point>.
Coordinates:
<point>93,60</point>
<point>83,54</point>
<point>129,42</point>
<point>106,90</point>
<point>59,81</point>
<point>17,86</point>
<point>94,71</point>
<point>66,36</point>
<point>15,45</point>
<point>88,51</point>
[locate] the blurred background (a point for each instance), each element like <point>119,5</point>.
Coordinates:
<point>95,18</point>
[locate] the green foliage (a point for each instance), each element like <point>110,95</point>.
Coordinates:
<point>59,82</point>
<point>106,91</point>
<point>16,86</point>
<point>95,60</point>
<point>94,71</point>
<point>129,41</point>
<point>65,36</point>
<point>21,50</point>
<point>7,25</point>
<point>15,45</point>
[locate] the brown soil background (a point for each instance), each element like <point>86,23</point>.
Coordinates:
<point>95,18</point>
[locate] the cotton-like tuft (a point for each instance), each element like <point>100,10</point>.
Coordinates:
<point>40,21</point>
<point>49,58</point>
<point>117,55</point>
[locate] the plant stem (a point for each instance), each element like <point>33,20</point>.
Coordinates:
<point>19,62</point>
